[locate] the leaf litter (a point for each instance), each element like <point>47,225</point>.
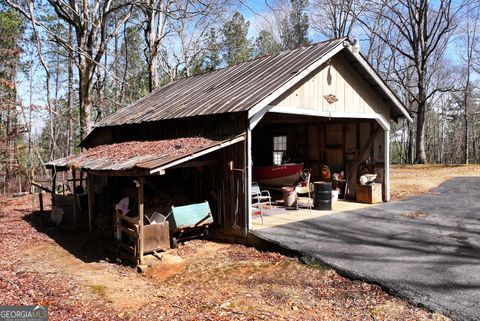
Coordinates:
<point>206,281</point>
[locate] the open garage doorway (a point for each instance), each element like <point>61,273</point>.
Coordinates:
<point>337,151</point>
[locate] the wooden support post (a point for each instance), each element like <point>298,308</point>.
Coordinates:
<point>140,219</point>
<point>243,181</point>
<point>32,191</point>
<point>249,179</point>
<point>344,144</point>
<point>90,200</point>
<point>119,229</point>
<point>40,201</point>
<point>324,142</point>
<point>319,146</point>
<point>74,190</point>
<point>357,135</point>
<point>54,183</point>
<point>386,159</point>
<point>82,179</point>
<point>371,151</point>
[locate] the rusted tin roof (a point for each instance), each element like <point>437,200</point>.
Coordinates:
<point>141,155</point>
<point>232,89</point>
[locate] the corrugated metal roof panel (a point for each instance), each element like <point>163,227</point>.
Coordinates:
<point>233,89</point>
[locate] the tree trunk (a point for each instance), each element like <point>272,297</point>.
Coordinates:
<point>70,140</point>
<point>116,72</point>
<point>476,152</point>
<point>410,144</point>
<point>421,157</point>
<point>56,130</point>
<point>465,120</point>
<point>466,94</point>
<point>153,73</point>
<point>151,38</point>
<point>85,96</point>
<point>155,19</point>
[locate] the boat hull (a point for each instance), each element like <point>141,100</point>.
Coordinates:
<point>278,175</point>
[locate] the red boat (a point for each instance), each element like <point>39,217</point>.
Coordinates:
<point>277,175</point>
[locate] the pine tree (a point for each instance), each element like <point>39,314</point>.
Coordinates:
<point>237,46</point>
<point>265,44</point>
<point>294,27</point>
<point>209,59</point>
<point>212,57</point>
<point>133,69</point>
<point>10,34</point>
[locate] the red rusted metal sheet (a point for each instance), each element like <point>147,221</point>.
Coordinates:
<point>142,155</point>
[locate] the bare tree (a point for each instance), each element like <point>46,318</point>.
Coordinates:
<point>187,21</point>
<point>470,42</point>
<point>70,62</point>
<point>424,30</point>
<point>189,31</point>
<point>336,18</point>
<point>53,146</point>
<point>90,21</point>
<point>155,14</point>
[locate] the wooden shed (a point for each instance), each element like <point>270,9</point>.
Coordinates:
<point>325,100</point>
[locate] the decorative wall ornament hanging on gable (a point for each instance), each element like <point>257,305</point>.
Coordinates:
<point>331,98</point>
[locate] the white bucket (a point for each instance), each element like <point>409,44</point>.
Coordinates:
<point>334,195</point>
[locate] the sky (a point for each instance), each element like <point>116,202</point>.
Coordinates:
<point>252,10</point>
<point>255,11</point>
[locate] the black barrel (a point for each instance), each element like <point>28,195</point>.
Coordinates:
<point>323,196</point>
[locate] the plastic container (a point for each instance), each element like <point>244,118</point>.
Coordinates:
<point>289,196</point>
<point>334,195</point>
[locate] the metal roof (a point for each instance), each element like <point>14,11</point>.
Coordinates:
<point>233,89</point>
<point>142,156</point>
<point>248,86</point>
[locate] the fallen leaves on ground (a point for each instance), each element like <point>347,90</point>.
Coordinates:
<point>415,214</point>
<point>200,280</point>
<point>409,180</point>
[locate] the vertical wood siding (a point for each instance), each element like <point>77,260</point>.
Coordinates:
<point>339,78</point>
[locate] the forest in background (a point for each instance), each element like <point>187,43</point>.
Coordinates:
<point>66,64</point>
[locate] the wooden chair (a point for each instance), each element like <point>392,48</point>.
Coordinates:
<point>305,190</point>
<point>308,200</point>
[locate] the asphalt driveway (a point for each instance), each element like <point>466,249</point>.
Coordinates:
<point>425,248</point>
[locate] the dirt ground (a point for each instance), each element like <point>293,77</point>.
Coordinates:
<point>408,180</point>
<point>200,280</point>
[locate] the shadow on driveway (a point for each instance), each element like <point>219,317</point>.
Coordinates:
<point>425,248</point>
